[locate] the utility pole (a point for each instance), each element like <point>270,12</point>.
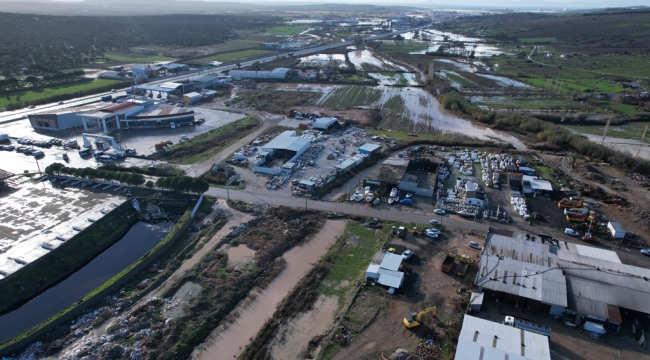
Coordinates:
<point>305,202</point>
<point>606,129</point>
<point>39,167</point>
<point>642,139</point>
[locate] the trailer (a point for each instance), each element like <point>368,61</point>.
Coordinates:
<point>616,230</point>
<point>577,217</point>
<point>447,263</point>
<point>526,325</point>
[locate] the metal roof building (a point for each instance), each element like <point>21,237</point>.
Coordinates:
<point>279,73</point>
<point>390,172</point>
<point>391,261</point>
<point>387,273</point>
<point>324,123</point>
<point>486,340</point>
<point>368,148</point>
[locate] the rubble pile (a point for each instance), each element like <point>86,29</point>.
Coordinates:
<point>428,351</point>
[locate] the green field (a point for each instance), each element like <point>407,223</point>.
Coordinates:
<point>135,58</point>
<point>286,30</point>
<point>632,130</point>
<point>236,55</point>
<point>32,95</point>
<point>404,47</point>
<point>548,40</point>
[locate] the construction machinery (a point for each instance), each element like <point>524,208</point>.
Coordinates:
<point>463,263</point>
<point>567,204</point>
<point>414,318</point>
<point>447,263</point>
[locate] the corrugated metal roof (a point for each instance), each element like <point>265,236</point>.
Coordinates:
<point>390,278</point>
<point>597,253</point>
<point>369,147</point>
<point>391,261</point>
<point>204,78</point>
<point>499,341</point>
<point>287,141</point>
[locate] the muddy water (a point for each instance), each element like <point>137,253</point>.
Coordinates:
<point>240,255</point>
<point>227,344</point>
<point>297,334</point>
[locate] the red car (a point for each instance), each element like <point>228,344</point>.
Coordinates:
<point>589,237</point>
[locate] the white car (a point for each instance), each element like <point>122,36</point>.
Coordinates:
<point>407,254</point>
<point>645,252</point>
<point>184,137</point>
<point>439,211</point>
<point>433,233</point>
<point>475,245</point>
<point>571,232</point>
<point>435,222</point>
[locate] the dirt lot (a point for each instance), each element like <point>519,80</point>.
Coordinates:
<point>378,317</point>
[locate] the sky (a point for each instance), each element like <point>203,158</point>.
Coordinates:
<point>587,4</point>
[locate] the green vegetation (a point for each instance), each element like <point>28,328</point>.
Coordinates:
<point>183,184</point>
<point>345,97</point>
<point>137,58</point>
<point>130,178</point>
<point>286,30</point>
<point>550,135</point>
<point>546,40</point>
<point>275,101</point>
<point>631,130</point>
<point>120,276</point>
<point>404,47</point>
<point>545,171</point>
<point>31,279</point>
<point>236,55</point>
<point>23,98</point>
<point>208,144</point>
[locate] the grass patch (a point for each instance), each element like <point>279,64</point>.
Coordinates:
<point>275,101</point>
<point>541,40</point>
<point>545,172</point>
<point>27,96</point>
<point>286,30</point>
<point>404,47</point>
<point>632,130</point>
<point>236,55</point>
<point>138,58</point>
<point>208,144</point>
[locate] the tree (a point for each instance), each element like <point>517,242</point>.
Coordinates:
<point>54,168</point>
<point>149,184</point>
<point>136,179</point>
<point>199,185</point>
<point>32,80</point>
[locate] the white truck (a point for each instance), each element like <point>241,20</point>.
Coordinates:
<point>528,326</point>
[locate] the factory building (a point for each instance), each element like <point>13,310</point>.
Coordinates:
<point>282,151</point>
<point>369,149</point>
<point>192,97</point>
<point>417,176</point>
<point>324,123</point>
<point>277,74</point>
<point>204,81</point>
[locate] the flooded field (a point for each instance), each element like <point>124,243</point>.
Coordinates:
<point>141,238</point>
<point>323,60</point>
<point>458,79</point>
<point>228,343</point>
<point>395,78</point>
<point>365,60</point>
<point>293,339</point>
<point>453,43</point>
<point>406,109</point>
<point>35,217</point>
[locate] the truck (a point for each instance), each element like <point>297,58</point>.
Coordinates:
<point>526,325</point>
<point>576,211</point>
<point>4,137</point>
<point>569,203</point>
<point>401,232</point>
<point>447,263</point>
<point>616,230</point>
<point>107,97</point>
<point>577,217</point>
<point>462,266</point>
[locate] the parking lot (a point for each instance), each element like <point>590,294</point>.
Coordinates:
<point>142,140</point>
<point>34,216</point>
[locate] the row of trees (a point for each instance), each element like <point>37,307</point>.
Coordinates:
<point>550,133</point>
<point>91,173</point>
<point>183,184</point>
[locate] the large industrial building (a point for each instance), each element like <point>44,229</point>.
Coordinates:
<point>208,81</point>
<point>417,176</point>
<point>158,70</point>
<point>555,277</point>
<point>61,119</point>
<point>482,339</point>
<point>277,74</point>
<point>288,146</point>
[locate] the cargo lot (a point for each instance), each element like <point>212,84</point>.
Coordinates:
<point>142,140</point>
<point>34,213</point>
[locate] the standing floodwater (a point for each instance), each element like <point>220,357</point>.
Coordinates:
<point>141,238</point>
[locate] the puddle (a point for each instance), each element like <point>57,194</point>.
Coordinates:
<point>175,306</point>
<point>239,256</point>
<point>293,338</point>
<point>227,344</point>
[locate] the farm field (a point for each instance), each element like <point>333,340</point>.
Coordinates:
<point>236,55</point>
<point>137,58</point>
<point>631,130</point>
<point>286,30</point>
<point>34,95</point>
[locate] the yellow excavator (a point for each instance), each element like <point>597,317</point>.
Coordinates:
<point>413,320</point>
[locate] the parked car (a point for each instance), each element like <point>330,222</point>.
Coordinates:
<point>475,245</point>
<point>113,90</point>
<point>184,137</point>
<point>571,232</point>
<point>407,254</point>
<point>130,151</point>
<point>433,233</point>
<point>31,106</point>
<point>435,222</point>
<point>38,153</point>
<point>645,252</point>
<point>60,103</point>
<point>589,237</point>
<point>439,211</point>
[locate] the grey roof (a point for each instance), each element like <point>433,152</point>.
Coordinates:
<point>369,147</point>
<point>278,71</point>
<point>327,121</point>
<point>287,140</point>
<point>390,278</point>
<point>581,299</point>
<point>204,78</point>
<point>484,339</point>
<point>391,261</point>
<point>523,268</point>
<point>390,171</point>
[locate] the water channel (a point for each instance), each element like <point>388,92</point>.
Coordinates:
<point>141,238</point>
